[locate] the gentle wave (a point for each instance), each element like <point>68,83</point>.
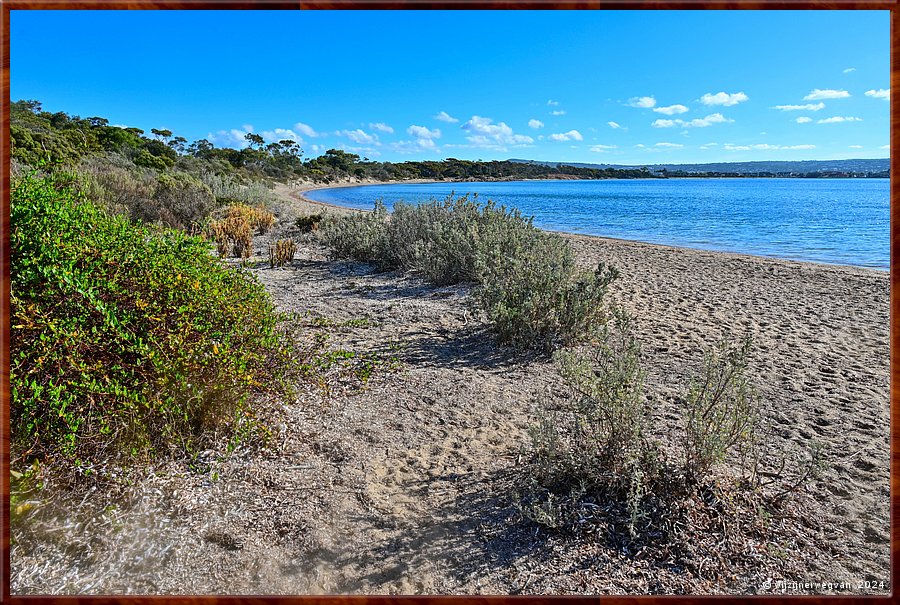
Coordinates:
<point>836,221</point>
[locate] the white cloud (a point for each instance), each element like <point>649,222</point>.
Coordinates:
<point>671,109</point>
<point>881,93</point>
<point>614,125</point>
<point>709,145</point>
<point>535,123</point>
<point>280,134</point>
<point>855,146</point>
<point>766,147</point>
<point>421,132</point>
<point>358,136</point>
<point>669,145</point>
<point>803,120</point>
<point>602,148</point>
<point>807,107</point>
<point>492,136</point>
<point>381,127</point>
<point>819,94</point>
<point>305,130</point>
<point>715,118</point>
<point>231,138</point>
<point>642,102</point>
<point>558,112</point>
<point>363,151</point>
<point>885,147</point>
<point>724,98</point>
<point>417,146</point>
<point>849,69</point>
<point>572,135</point>
<point>552,103</point>
<point>839,119</point>
<point>443,116</point>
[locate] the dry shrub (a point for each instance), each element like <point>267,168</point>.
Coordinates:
<point>232,234</point>
<point>281,252</point>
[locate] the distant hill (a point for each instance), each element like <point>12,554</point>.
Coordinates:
<point>804,167</point>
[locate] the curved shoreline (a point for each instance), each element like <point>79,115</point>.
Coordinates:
<point>297,194</point>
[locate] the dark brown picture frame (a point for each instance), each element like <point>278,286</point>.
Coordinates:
<point>9,5</point>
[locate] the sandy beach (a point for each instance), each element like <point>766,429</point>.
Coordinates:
<point>404,485</point>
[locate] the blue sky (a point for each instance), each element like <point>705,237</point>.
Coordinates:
<point>623,87</point>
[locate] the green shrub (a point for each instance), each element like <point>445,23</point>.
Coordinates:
<point>532,292</point>
<point>127,339</point>
<point>721,411</point>
<point>181,200</point>
<point>596,446</point>
<point>359,236</point>
<point>309,222</point>
<point>529,286</point>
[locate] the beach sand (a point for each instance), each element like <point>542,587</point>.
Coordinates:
<point>405,486</point>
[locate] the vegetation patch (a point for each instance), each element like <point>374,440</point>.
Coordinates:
<point>282,252</point>
<point>527,282</point>
<point>595,469</point>
<point>128,340</point>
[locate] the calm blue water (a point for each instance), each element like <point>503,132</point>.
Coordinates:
<point>839,221</point>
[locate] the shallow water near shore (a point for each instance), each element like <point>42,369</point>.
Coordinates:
<point>835,221</point>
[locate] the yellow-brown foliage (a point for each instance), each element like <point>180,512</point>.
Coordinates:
<point>281,252</point>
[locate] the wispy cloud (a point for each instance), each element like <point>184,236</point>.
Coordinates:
<point>766,147</point>
<point>855,146</point>
<point>552,103</point>
<point>602,148</point>
<point>381,127</point>
<point>411,147</point>
<point>558,112</point>
<point>803,120</point>
<point>709,145</point>
<point>715,118</point>
<point>642,102</point>
<point>671,109</point>
<point>807,107</point>
<point>849,70</point>
<point>572,135</point>
<point>839,119</point>
<point>484,133</point>
<point>724,98</point>
<point>818,94</point>
<point>615,125</point>
<point>885,147</point>
<point>881,93</point>
<point>423,133</point>
<point>306,130</point>
<point>358,136</point>
<point>443,116</point>
<point>669,145</point>
<point>535,123</point>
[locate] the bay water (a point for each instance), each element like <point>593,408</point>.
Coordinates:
<point>836,221</point>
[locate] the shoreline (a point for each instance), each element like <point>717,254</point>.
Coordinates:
<point>296,193</point>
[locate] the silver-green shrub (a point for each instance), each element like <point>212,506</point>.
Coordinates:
<point>721,411</point>
<point>529,287</point>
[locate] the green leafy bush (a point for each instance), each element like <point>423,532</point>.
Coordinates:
<point>127,339</point>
